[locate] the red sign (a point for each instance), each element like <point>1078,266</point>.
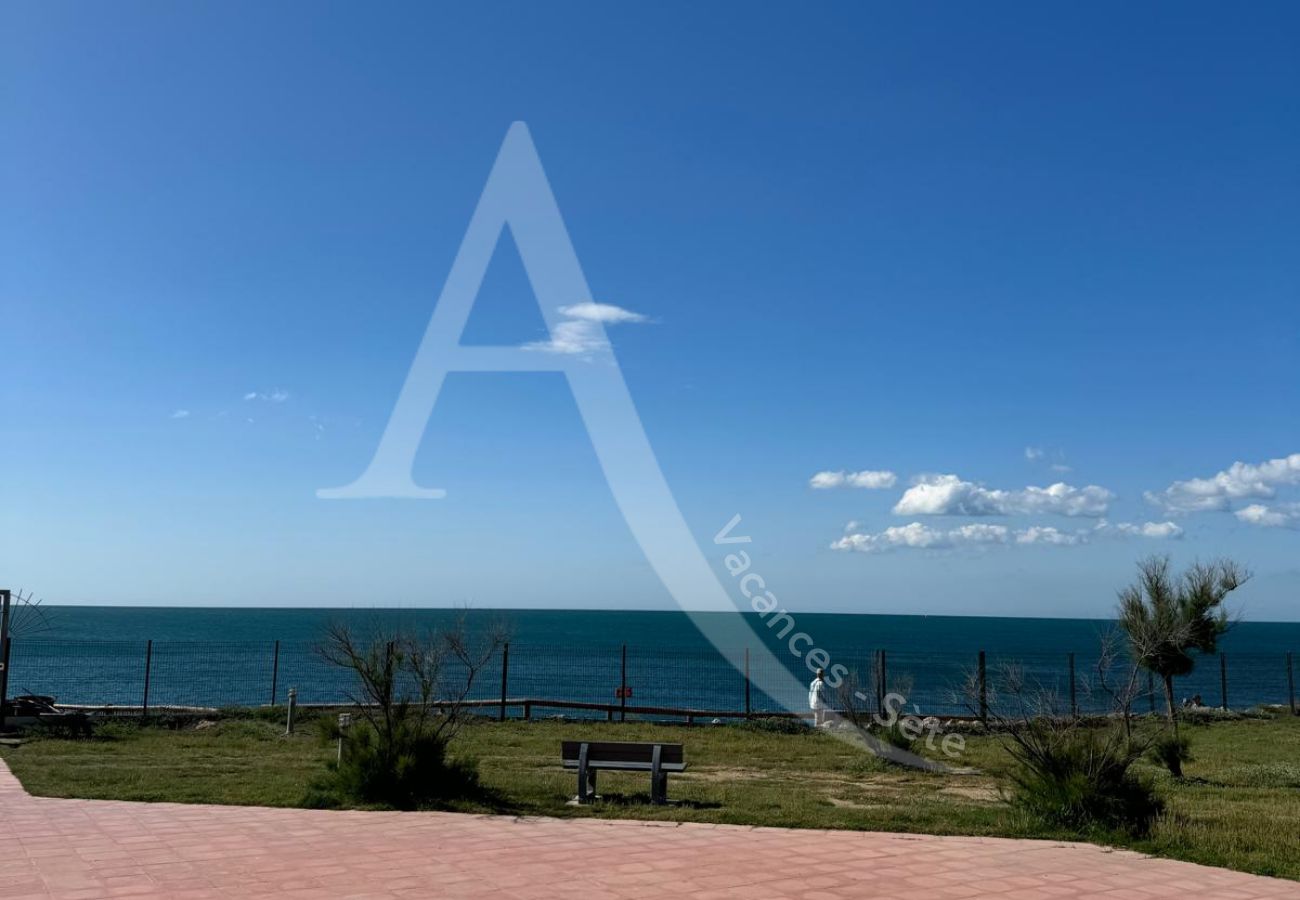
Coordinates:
<point>622,692</point>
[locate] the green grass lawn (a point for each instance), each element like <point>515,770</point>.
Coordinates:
<point>1239,807</point>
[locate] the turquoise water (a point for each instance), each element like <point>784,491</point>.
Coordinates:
<point>219,656</point>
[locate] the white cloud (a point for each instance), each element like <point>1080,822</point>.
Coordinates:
<point>279,395</point>
<point>1286,515</point>
<point>948,495</point>
<point>1158,530</point>
<point>181,414</point>
<point>1237,482</point>
<point>581,332</point>
<point>602,312</point>
<point>1045,534</point>
<point>918,536</point>
<point>868,479</point>
<point>979,534</point>
<point>1054,459</point>
<point>1165,530</point>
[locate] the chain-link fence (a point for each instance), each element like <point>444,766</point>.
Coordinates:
<point>614,678</point>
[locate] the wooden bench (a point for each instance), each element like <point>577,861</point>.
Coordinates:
<point>589,757</point>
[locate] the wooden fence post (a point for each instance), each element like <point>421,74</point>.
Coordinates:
<point>747,706</point>
<point>6,645</point>
<point>622,693</point>
<point>1223,679</point>
<point>1290,682</point>
<point>275,670</point>
<point>505,676</point>
<point>148,665</point>
<point>880,683</point>
<point>984,688</point>
<point>1074,697</point>
<point>884,671</point>
<point>6,598</point>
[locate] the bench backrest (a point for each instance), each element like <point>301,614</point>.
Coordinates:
<point>622,751</point>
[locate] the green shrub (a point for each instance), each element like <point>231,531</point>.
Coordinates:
<point>1082,780</point>
<point>321,795</point>
<point>1171,752</point>
<point>893,735</point>
<point>776,725</point>
<point>407,770</point>
<point>1206,715</point>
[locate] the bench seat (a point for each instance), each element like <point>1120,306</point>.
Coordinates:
<point>627,767</point>
<point>589,757</point>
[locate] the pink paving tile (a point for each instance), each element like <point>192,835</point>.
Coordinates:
<point>97,849</point>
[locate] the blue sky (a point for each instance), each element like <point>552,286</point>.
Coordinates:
<point>864,239</point>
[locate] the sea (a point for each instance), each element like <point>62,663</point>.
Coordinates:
<point>172,656</point>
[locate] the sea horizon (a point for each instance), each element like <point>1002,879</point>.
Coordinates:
<point>658,627</point>
<point>598,609</point>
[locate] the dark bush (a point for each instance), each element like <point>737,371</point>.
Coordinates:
<point>1082,780</point>
<point>409,703</point>
<point>1171,752</point>
<point>409,770</point>
<point>894,735</point>
<point>777,725</point>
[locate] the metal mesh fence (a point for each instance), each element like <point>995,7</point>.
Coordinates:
<point>587,675</point>
<point>214,674</point>
<point>79,671</point>
<point>185,673</point>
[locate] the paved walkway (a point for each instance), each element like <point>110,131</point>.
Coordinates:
<point>95,848</point>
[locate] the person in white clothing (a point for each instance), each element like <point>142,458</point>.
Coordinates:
<point>818,697</point>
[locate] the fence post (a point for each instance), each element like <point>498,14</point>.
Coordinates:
<point>293,708</point>
<point>5,600</point>
<point>622,693</point>
<point>148,665</point>
<point>880,685</point>
<point>984,688</point>
<point>505,678</point>
<point>1151,693</point>
<point>1074,697</point>
<point>275,670</point>
<point>1223,678</point>
<point>747,706</point>
<point>5,646</point>
<point>1290,682</point>
<point>884,680</point>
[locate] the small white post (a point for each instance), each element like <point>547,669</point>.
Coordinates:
<point>345,722</point>
<point>293,707</point>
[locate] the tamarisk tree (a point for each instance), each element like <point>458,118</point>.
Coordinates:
<point>1169,617</point>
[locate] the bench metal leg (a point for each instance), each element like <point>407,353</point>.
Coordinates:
<point>585,777</point>
<point>658,780</point>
